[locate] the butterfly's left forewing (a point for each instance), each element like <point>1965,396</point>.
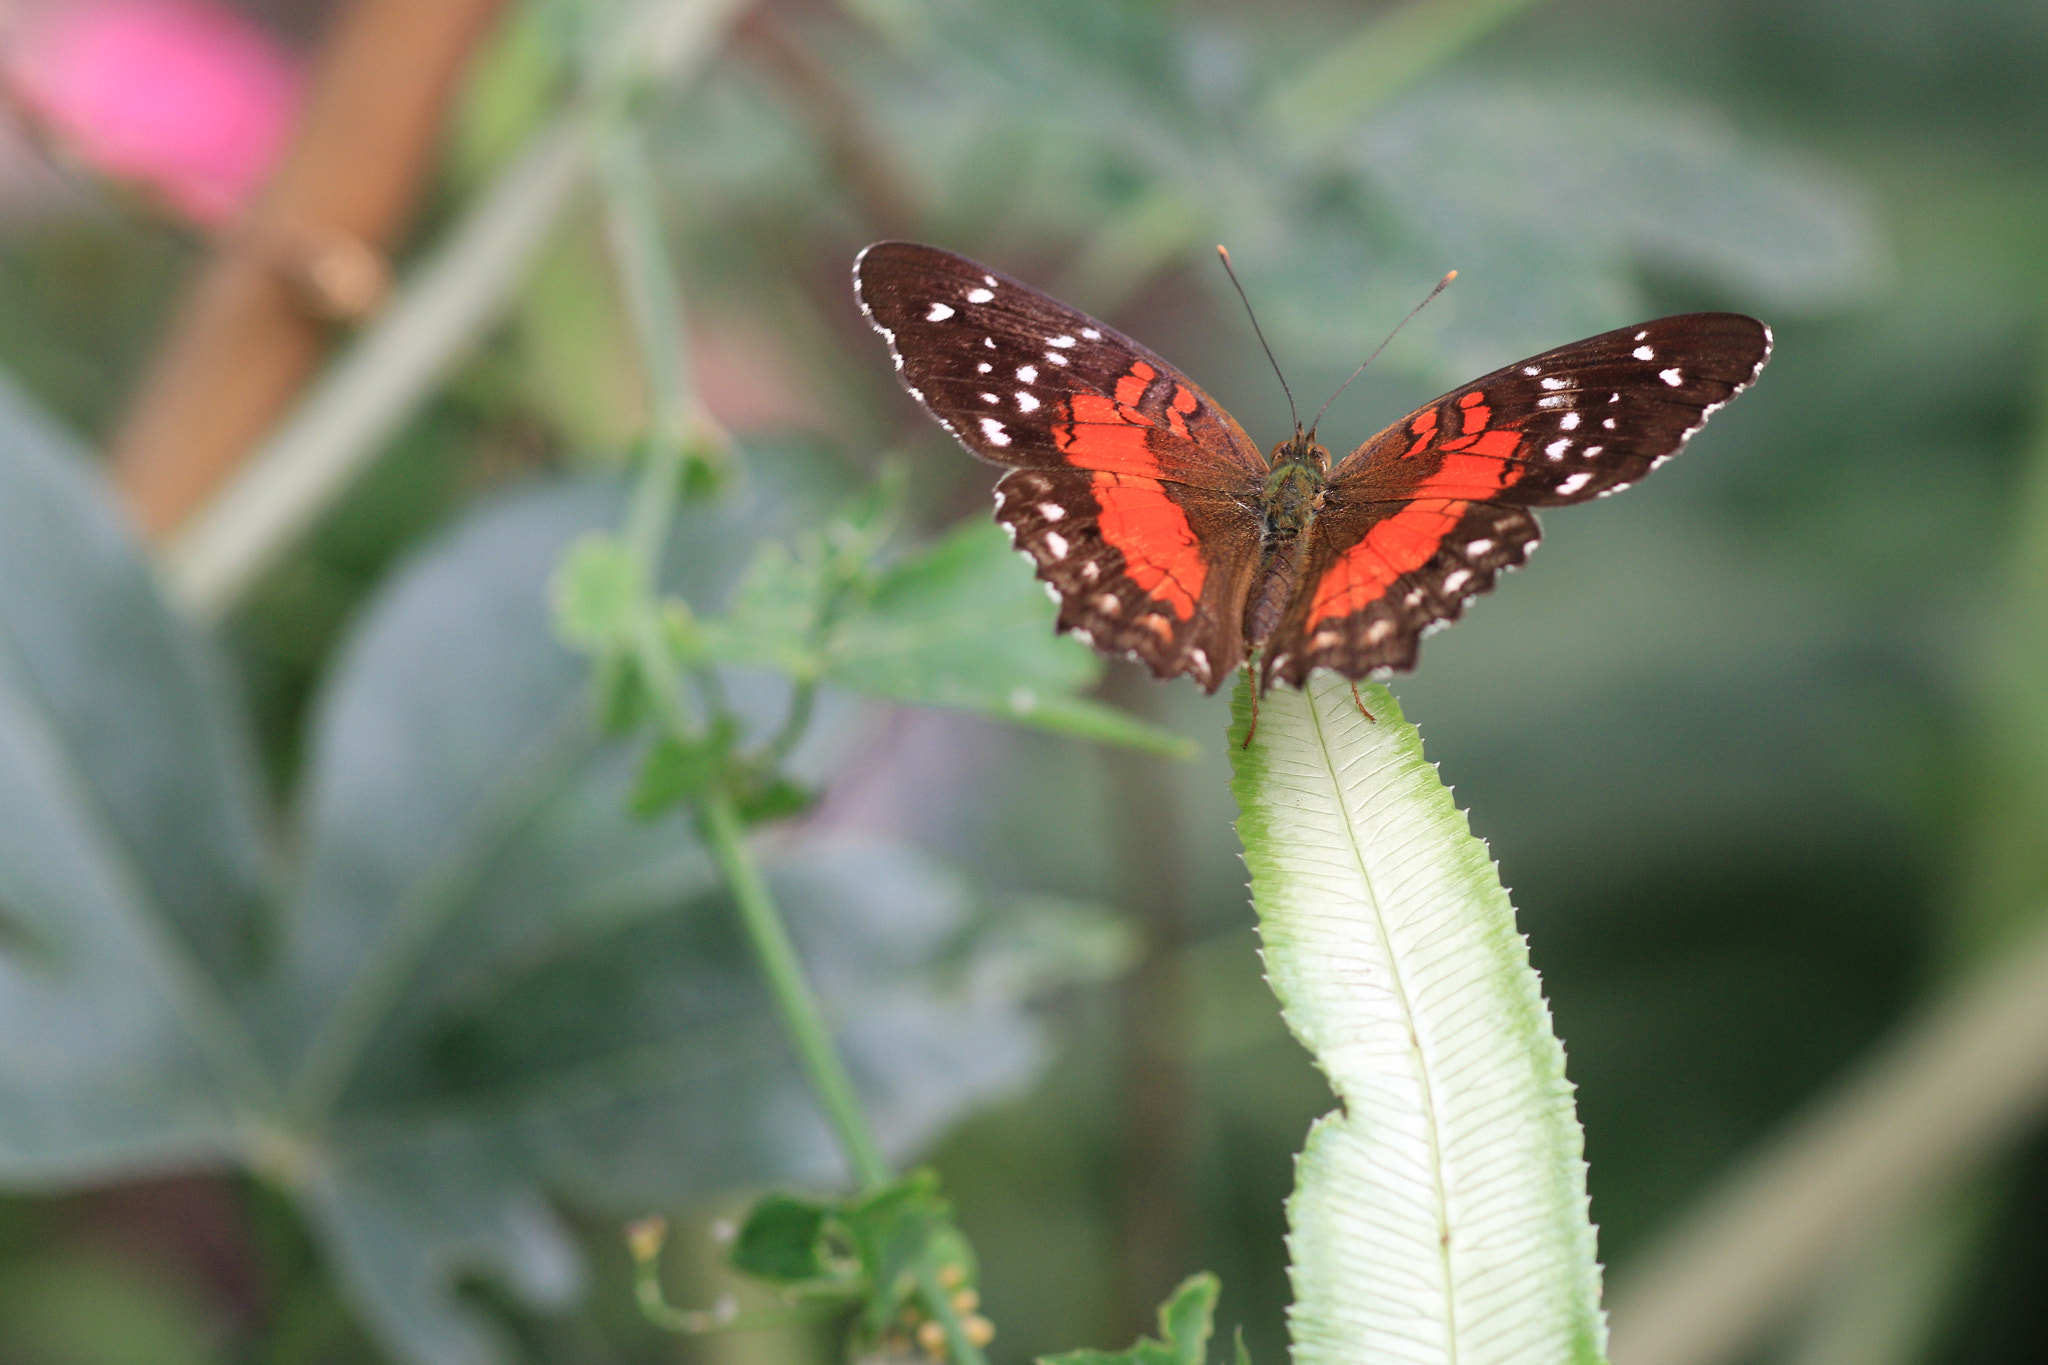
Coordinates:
<point>1129,488</point>
<point>1425,515</point>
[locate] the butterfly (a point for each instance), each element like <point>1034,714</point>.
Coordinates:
<point>1164,533</point>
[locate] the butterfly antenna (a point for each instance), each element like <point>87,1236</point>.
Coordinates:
<point>1441,285</point>
<point>1261,335</point>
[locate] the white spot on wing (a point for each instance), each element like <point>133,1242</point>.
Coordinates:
<point>1055,357</point>
<point>1056,545</point>
<point>1051,511</point>
<point>1569,422</point>
<point>1480,546</point>
<point>1643,353</point>
<point>1028,373</point>
<point>1671,377</point>
<point>940,312</point>
<point>1556,449</point>
<point>990,398</point>
<point>1109,604</point>
<point>1555,383</point>
<point>1090,570</point>
<point>1575,483</point>
<point>983,368</point>
<point>1381,629</point>
<point>989,342</point>
<point>1094,335</point>
<point>980,295</point>
<point>1532,369</point>
<point>1026,402</point>
<point>993,430</point>
<point>1457,578</point>
<point>1608,423</point>
<point>1554,400</point>
<point>1061,341</point>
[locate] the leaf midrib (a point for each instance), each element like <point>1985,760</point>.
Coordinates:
<point>1431,1117</point>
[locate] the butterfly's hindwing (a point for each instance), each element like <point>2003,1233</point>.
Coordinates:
<point>1131,572</point>
<point>1363,609</point>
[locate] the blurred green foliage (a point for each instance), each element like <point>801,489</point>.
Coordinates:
<point>1757,745</point>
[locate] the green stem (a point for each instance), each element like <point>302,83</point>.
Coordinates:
<point>654,299</point>
<point>801,705</point>
<point>937,1302</point>
<point>801,1017</point>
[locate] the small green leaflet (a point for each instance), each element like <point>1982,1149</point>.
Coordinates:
<point>1185,1322</point>
<point>961,625</point>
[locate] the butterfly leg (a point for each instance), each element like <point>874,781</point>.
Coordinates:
<point>1252,728</point>
<point>1361,704</point>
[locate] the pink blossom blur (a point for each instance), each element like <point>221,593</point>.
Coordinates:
<point>186,97</point>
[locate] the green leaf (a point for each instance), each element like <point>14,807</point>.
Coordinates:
<point>775,798</point>
<point>1397,47</point>
<point>494,985</point>
<point>597,593</point>
<point>1185,1322</point>
<point>133,869</point>
<point>681,769</point>
<point>964,625</point>
<point>882,1249</point>
<point>774,618</point>
<point>502,984</point>
<point>1441,1213</point>
<point>791,1242</point>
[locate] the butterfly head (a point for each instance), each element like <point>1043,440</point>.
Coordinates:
<point>1301,451</point>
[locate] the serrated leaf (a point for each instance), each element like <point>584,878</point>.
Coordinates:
<point>964,625</point>
<point>1441,1214</point>
<point>1186,1320</point>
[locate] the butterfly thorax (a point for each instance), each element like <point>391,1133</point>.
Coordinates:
<point>1292,496</point>
<point>1294,487</point>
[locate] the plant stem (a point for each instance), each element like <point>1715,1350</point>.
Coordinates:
<point>801,1017</point>
<point>959,1350</point>
<point>653,298</point>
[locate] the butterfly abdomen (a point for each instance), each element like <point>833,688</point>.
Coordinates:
<point>1272,590</point>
